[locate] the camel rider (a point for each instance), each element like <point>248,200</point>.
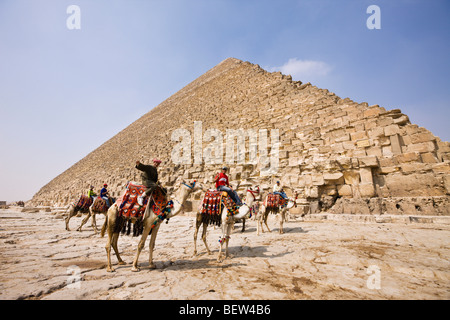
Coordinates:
<point>104,194</point>
<point>222,184</point>
<point>149,178</point>
<point>278,190</point>
<point>91,193</point>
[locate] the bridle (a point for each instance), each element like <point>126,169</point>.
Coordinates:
<point>253,192</point>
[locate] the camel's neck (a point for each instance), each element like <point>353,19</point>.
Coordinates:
<point>243,210</point>
<point>178,202</point>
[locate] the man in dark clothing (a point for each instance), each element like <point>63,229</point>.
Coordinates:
<point>104,194</point>
<point>149,178</point>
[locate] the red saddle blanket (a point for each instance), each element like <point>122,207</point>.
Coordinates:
<point>83,203</point>
<point>275,200</point>
<point>212,206</point>
<point>129,207</point>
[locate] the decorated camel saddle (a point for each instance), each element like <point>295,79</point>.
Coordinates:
<point>213,204</point>
<point>275,200</point>
<point>83,203</point>
<point>100,205</point>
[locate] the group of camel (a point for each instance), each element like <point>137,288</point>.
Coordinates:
<point>151,222</point>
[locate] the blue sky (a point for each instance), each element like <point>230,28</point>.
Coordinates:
<point>65,92</point>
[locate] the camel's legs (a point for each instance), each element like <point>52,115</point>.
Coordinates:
<point>198,222</point>
<point>94,222</point>
<point>115,239</point>
<point>109,268</point>
<point>227,240</point>
<point>266,215</point>
<point>152,246</point>
<point>72,212</point>
<point>205,227</point>
<point>85,220</point>
<point>282,216</point>
<point>147,228</point>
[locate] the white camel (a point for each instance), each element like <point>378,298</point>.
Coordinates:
<point>264,211</point>
<point>149,219</point>
<point>227,222</point>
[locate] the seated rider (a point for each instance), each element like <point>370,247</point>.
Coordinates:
<point>222,184</point>
<point>104,194</point>
<point>149,178</point>
<point>91,193</point>
<point>278,190</point>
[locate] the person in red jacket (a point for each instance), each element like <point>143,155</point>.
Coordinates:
<point>222,184</point>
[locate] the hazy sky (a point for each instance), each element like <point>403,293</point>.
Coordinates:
<point>65,92</point>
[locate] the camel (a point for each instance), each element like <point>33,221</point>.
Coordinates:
<point>227,222</point>
<point>92,212</point>
<point>150,220</point>
<point>264,213</point>
<point>73,211</point>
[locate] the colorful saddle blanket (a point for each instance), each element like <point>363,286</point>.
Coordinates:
<point>212,206</point>
<point>275,200</point>
<point>100,205</point>
<point>129,207</point>
<point>83,203</point>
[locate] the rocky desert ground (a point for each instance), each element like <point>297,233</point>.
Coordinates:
<point>313,259</point>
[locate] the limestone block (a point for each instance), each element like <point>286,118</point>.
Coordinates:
<point>317,179</point>
<point>304,181</point>
<point>384,141</point>
<point>388,170</point>
<point>422,137</point>
<point>428,146</point>
<point>376,132</point>
<point>374,111</point>
<point>343,137</point>
<point>351,177</point>
<point>359,135</point>
<point>374,151</point>
<point>337,148</point>
<point>443,167</point>
<point>312,192</point>
<point>407,157</point>
<point>391,130</point>
<point>344,162</point>
<point>428,157</point>
<point>345,190</point>
<point>369,161</point>
<point>446,179</point>
<point>366,190</point>
<point>293,161</point>
<point>366,175</point>
<point>335,178</point>
<point>414,185</point>
<point>396,145</point>
<point>387,151</point>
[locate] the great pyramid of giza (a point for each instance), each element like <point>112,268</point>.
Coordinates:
<point>339,155</point>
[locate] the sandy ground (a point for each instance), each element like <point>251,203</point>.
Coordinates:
<point>325,259</point>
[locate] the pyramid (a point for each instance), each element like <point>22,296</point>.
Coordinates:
<point>340,156</point>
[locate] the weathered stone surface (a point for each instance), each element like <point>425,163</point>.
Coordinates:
<point>328,146</point>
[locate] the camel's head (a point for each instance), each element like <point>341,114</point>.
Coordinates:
<point>254,191</point>
<point>191,186</point>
